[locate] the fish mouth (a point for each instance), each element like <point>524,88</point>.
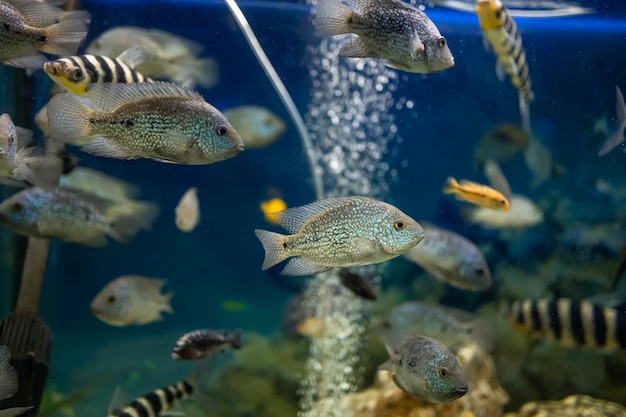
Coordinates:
<point>240,147</point>
<point>459,391</point>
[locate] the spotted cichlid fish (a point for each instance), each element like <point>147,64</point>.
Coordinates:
<point>78,73</point>
<point>572,323</point>
<point>61,214</point>
<point>155,403</point>
<point>500,30</point>
<point>452,259</point>
<point>426,368</point>
<point>388,29</point>
<point>162,121</point>
<point>339,232</point>
<point>30,27</point>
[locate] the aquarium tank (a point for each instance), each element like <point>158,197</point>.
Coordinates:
<point>312,208</point>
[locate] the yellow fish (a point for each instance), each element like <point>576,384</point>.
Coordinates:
<point>478,194</point>
<point>270,208</point>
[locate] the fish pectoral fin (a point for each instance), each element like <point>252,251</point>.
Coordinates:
<point>417,47</point>
<point>355,48</point>
<point>102,146</point>
<point>396,65</point>
<point>386,366</point>
<point>179,140</point>
<point>500,72</point>
<point>399,384</point>
<point>119,400</point>
<point>367,247</point>
<point>300,267</point>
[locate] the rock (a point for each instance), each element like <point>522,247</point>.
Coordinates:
<point>572,406</point>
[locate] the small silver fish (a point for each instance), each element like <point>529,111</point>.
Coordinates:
<point>202,343</point>
<point>162,121</point>
<point>426,368</point>
<point>168,56</point>
<point>450,326</point>
<point>256,125</point>
<point>62,214</point>
<point>338,232</point>
<point>131,299</point>
<point>29,27</point>
<point>388,29</point>
<point>452,259</point>
<point>188,211</point>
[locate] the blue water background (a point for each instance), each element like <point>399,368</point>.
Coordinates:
<point>575,64</point>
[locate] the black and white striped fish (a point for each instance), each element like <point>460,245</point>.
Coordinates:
<point>77,73</point>
<point>500,30</point>
<point>573,323</point>
<point>205,342</point>
<point>156,402</point>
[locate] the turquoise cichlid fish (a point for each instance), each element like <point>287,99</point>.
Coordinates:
<point>162,121</point>
<point>339,232</point>
<point>426,368</point>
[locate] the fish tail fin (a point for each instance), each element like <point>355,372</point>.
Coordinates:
<point>205,72</point>
<point>8,376</point>
<point>273,245</point>
<point>524,109</point>
<point>450,185</point>
<point>167,302</point>
<point>124,228</point>
<point>63,38</point>
<point>68,120</point>
<point>332,17</point>
<point>618,136</point>
<point>235,339</point>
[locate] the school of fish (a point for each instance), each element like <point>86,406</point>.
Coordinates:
<point>131,95</point>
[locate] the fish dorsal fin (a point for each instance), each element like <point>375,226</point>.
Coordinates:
<point>118,401</point>
<point>292,219</point>
<point>133,56</point>
<point>107,97</point>
<point>35,13</point>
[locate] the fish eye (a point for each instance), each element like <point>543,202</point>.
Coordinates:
<point>17,206</point>
<point>77,74</point>
<point>111,299</point>
<point>222,130</point>
<point>443,372</point>
<point>441,42</point>
<point>479,271</point>
<point>399,225</point>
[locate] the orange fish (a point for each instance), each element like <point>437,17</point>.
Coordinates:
<point>478,194</point>
<point>271,207</point>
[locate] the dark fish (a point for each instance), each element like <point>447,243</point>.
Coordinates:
<point>156,402</point>
<point>573,323</point>
<point>358,284</point>
<point>202,343</point>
